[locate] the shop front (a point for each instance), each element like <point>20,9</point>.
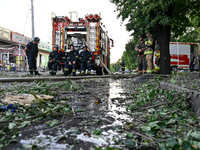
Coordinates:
<point>44,50</point>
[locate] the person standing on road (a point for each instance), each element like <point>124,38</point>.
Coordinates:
<point>32,53</point>
<point>123,66</point>
<point>85,58</point>
<point>157,49</point>
<point>141,60</point>
<point>192,62</point>
<point>149,52</point>
<point>72,59</point>
<point>54,60</point>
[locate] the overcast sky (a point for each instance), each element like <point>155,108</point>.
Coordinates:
<point>16,16</point>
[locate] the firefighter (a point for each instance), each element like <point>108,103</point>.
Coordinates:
<point>157,49</point>
<point>85,58</point>
<point>149,52</point>
<point>72,59</point>
<point>141,60</point>
<point>192,62</point>
<point>62,60</point>
<point>32,53</point>
<point>54,60</point>
<point>123,66</point>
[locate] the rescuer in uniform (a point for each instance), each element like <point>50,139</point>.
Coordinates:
<point>192,62</point>
<point>32,52</point>
<point>85,58</point>
<point>123,66</point>
<point>72,59</point>
<point>149,52</point>
<point>141,60</point>
<point>54,60</point>
<point>157,49</point>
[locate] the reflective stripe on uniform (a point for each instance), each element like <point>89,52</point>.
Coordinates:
<point>66,69</point>
<point>149,52</point>
<point>82,71</point>
<point>64,57</point>
<point>158,68</point>
<point>149,71</point>
<point>157,54</point>
<point>73,70</point>
<point>50,71</point>
<point>90,58</point>
<point>150,42</point>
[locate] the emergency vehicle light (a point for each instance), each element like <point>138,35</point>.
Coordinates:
<point>80,27</point>
<point>71,27</point>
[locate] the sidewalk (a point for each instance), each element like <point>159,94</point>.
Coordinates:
<point>25,73</point>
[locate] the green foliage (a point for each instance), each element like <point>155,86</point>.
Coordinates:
<point>162,18</point>
<point>130,55</point>
<point>144,14</point>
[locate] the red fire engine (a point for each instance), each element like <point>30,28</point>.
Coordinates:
<point>180,54</point>
<point>84,31</point>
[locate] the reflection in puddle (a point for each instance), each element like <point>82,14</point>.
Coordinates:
<point>115,90</point>
<point>106,138</point>
<point>47,141</point>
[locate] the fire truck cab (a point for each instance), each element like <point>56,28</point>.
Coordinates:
<point>84,31</point>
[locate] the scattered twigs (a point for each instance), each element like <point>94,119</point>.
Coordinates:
<point>159,141</point>
<point>145,108</point>
<point>62,123</point>
<point>141,135</point>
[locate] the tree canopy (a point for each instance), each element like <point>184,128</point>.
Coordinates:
<point>129,55</point>
<point>161,17</point>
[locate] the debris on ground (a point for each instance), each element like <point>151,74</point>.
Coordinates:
<point>22,99</point>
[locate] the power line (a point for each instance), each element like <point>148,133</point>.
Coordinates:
<point>42,8</point>
<point>27,14</point>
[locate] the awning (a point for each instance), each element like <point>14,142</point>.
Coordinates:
<point>14,50</point>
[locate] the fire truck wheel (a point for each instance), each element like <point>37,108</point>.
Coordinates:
<point>174,68</point>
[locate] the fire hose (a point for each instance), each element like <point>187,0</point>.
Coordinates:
<point>113,75</point>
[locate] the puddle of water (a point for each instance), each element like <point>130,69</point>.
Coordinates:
<point>105,138</point>
<point>115,90</point>
<point>47,141</point>
<point>97,141</point>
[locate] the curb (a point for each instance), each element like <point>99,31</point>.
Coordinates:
<point>30,79</point>
<point>195,98</point>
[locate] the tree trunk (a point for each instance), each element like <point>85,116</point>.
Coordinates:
<point>163,37</point>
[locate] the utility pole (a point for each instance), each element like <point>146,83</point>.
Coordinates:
<point>32,12</point>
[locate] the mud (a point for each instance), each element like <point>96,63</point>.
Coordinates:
<point>97,114</point>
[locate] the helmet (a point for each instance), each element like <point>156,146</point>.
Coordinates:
<point>147,32</point>
<point>140,36</point>
<point>84,46</point>
<point>36,39</point>
<point>56,46</point>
